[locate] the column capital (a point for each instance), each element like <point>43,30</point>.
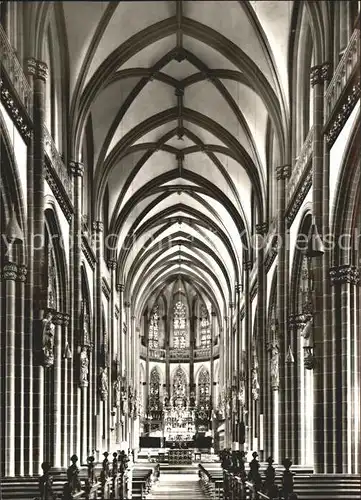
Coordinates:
<point>344,273</point>
<point>41,70</point>
<point>132,317</point>
<point>213,313</point>
<point>320,73</point>
<point>31,66</point>
<point>238,287</point>
<point>22,272</point>
<point>58,318</point>
<point>66,319</point>
<point>283,172</point>
<point>231,305</point>
<point>76,168</point>
<point>248,264</point>
<point>38,69</point>
<point>261,228</point>
<point>127,304</point>
<point>10,271</point>
<point>120,287</point>
<point>98,226</point>
<point>112,264</point>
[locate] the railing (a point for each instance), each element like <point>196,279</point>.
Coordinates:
<point>202,352</point>
<point>57,163</point>
<point>301,164</point>
<point>156,353</point>
<point>14,71</point>
<point>343,72</point>
<point>179,353</point>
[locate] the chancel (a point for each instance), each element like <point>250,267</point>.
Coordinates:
<point>180,250</point>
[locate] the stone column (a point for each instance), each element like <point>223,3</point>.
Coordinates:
<point>58,389</point>
<point>329,359</point>
<point>320,424</point>
<point>282,174</point>
<point>247,266</point>
<point>345,278</point>
<point>213,333</point>
<point>192,346</point>
<point>21,345</point>
<point>127,366</point>
<point>40,72</point>
<point>261,231</point>
<point>133,377</point>
<point>120,290</point>
<point>113,341</point>
<point>167,355</point>
<point>230,374</point>
<point>65,427</point>
<point>77,170</point>
<point>9,275</point>
<point>29,290</point>
<point>98,406</point>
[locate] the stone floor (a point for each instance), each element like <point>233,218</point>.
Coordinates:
<point>177,484</point>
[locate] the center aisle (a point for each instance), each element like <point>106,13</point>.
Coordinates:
<point>177,484</point>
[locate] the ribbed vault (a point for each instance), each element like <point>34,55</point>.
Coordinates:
<point>177,102</point>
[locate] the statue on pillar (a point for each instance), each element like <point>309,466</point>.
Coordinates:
<point>234,400</point>
<point>85,324</point>
<point>103,383</point>
<point>130,401</point>
<point>124,396</point>
<point>255,384</point>
<point>48,339</point>
<point>84,367</point>
<point>242,390</point>
<point>275,376</point>
<point>117,391</point>
<point>255,375</point>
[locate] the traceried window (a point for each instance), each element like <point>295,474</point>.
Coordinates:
<point>179,387</point>
<point>179,331</point>
<point>154,400</point>
<point>153,336</point>
<point>205,328</point>
<point>203,389</point>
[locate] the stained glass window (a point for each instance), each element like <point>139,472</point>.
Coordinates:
<point>154,329</point>
<point>179,387</point>
<point>205,328</point>
<point>179,331</point>
<point>203,389</point>
<point>154,401</point>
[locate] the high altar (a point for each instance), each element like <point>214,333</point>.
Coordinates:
<point>179,424</point>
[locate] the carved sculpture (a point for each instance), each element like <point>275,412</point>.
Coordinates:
<point>103,383</point>
<point>117,391</point>
<point>287,479</point>
<point>84,367</point>
<point>73,483</point>
<point>255,384</point>
<point>46,482</point>
<point>254,474</point>
<point>242,391</point>
<point>269,483</point>
<point>275,377</point>
<point>48,339</point>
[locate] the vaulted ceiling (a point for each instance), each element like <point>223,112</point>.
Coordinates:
<point>181,97</point>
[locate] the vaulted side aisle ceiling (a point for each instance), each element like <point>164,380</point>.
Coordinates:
<point>186,104</point>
